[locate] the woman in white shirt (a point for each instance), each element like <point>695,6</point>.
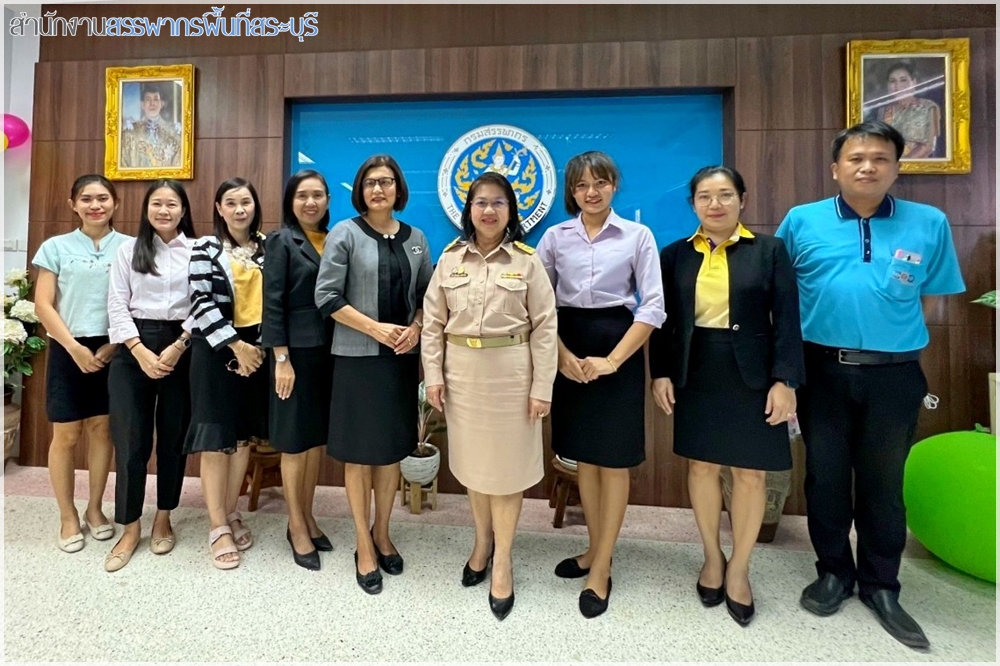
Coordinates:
<point>149,308</point>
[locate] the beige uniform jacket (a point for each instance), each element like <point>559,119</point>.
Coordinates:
<point>505,293</point>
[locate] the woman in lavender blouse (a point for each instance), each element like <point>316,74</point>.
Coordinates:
<point>609,296</point>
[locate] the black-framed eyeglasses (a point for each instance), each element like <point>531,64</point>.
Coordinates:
<point>384,183</point>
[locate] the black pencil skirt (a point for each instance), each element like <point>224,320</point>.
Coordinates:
<point>70,393</point>
<point>600,422</point>
<point>718,418</point>
<point>302,422</point>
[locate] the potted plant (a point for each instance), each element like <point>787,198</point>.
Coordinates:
<point>20,321</point>
<point>421,466</point>
<point>989,299</point>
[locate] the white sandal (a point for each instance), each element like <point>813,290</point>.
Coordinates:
<point>214,536</point>
<point>239,534</point>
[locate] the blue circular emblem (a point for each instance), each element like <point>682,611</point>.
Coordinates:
<point>506,150</point>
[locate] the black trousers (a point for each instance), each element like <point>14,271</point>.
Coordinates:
<point>859,419</point>
<point>137,405</point>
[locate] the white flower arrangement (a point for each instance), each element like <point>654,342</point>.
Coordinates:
<point>20,320</point>
<point>14,278</point>
<point>13,331</point>
<point>25,311</point>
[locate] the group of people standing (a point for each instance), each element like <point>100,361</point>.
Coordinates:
<point>737,322</point>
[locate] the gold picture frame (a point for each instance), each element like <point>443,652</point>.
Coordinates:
<point>921,87</point>
<point>149,122</point>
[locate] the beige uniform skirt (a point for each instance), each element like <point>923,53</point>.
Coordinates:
<point>492,446</point>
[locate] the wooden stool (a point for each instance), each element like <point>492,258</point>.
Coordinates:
<point>263,471</point>
<point>417,494</point>
<point>564,491</point>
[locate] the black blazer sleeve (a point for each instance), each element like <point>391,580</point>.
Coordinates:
<point>789,362</point>
<point>274,329</point>
<point>662,354</point>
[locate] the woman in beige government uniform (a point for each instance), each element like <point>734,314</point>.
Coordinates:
<point>490,356</point>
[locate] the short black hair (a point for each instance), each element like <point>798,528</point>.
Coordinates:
<point>288,218</point>
<point>144,254</point>
<point>707,172</point>
<point>601,166</point>
<point>153,87</point>
<point>513,232</point>
<point>875,128</point>
<point>357,192</point>
<point>902,64</point>
<point>219,224</point>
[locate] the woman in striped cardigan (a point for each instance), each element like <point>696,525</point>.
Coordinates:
<point>229,391</point>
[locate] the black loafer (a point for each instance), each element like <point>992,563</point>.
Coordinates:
<point>501,607</point>
<point>471,577</point>
<point>592,605</point>
<point>825,595</point>
<point>570,568</point>
<point>713,596</point>
<point>895,620</point>
<point>739,612</point>
<point>370,582</point>
<point>309,560</point>
<point>391,564</point>
<point>322,543</point>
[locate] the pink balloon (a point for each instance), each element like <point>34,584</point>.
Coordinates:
<point>16,130</point>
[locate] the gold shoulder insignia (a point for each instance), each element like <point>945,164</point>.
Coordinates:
<point>455,243</point>
<point>527,249</point>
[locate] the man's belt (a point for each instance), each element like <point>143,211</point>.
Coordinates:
<point>862,356</point>
<point>488,343</point>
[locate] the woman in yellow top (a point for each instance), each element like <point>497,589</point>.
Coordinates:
<point>229,392</point>
<point>730,356</point>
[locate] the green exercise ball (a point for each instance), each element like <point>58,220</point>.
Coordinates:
<point>950,491</point>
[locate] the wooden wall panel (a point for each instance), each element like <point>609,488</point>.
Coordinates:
<point>61,162</point>
<point>241,97</point>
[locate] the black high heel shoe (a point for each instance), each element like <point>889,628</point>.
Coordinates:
<point>370,582</point>
<point>471,577</point>
<point>391,564</point>
<point>322,543</point>
<point>308,561</point>
<point>740,612</point>
<point>713,596</point>
<point>592,605</point>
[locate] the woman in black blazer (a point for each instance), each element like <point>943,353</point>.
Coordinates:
<point>301,364</point>
<point>730,357</point>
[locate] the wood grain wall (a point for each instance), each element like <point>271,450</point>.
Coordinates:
<point>781,70</point>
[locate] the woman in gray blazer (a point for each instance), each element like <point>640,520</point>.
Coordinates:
<point>301,365</point>
<point>372,278</point>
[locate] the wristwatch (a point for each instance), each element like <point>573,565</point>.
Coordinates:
<point>280,358</point>
<point>790,384</point>
<point>185,342</point>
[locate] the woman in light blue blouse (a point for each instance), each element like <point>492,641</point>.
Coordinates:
<point>71,300</point>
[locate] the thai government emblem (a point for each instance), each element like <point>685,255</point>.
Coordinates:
<point>509,151</point>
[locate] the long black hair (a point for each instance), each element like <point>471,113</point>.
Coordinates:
<point>89,178</point>
<point>513,230</point>
<point>144,254</point>
<point>288,218</point>
<point>219,226</point>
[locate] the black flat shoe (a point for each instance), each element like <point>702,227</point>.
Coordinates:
<point>592,605</point>
<point>501,607</point>
<point>322,543</point>
<point>825,595</point>
<point>309,560</point>
<point>391,564</point>
<point>471,577</point>
<point>371,582</point>
<point>895,620</point>
<point>742,614</point>
<point>570,568</point>
<point>713,596</point>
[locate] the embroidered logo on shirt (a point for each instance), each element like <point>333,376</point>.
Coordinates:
<point>512,275</point>
<point>416,249</point>
<point>458,271</point>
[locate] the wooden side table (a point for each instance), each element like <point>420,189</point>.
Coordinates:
<point>11,427</point>
<point>564,491</point>
<point>417,494</point>
<point>263,471</point>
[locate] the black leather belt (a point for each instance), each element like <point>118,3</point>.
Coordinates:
<point>862,356</point>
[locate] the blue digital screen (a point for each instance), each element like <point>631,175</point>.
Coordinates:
<point>658,143</point>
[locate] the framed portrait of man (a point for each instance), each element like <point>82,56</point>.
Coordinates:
<point>921,88</point>
<point>149,123</point>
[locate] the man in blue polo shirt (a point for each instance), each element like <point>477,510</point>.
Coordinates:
<point>863,259</point>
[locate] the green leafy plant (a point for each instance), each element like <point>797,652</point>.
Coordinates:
<point>20,321</point>
<point>988,299</point>
<point>428,423</point>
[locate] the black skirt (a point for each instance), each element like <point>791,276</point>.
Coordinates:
<point>225,408</point>
<point>71,394</point>
<point>601,422</point>
<point>373,409</point>
<point>302,422</point>
<point>718,418</point>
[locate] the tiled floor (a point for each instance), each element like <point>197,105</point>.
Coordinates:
<point>177,607</point>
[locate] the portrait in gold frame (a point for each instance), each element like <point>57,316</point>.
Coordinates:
<point>920,87</point>
<point>149,122</point>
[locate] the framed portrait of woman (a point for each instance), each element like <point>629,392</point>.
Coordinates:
<point>149,123</point>
<point>921,88</point>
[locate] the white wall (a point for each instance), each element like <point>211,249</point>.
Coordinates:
<point>20,56</point>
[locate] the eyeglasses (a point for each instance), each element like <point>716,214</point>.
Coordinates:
<point>384,183</point>
<point>724,199</point>
<point>481,204</point>
<point>598,184</point>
